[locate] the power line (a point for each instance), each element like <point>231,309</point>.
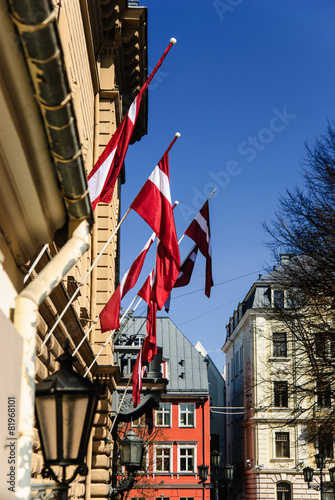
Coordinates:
<point>218,284</point>
<point>212,310</point>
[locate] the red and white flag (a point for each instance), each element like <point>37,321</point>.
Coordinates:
<point>199,232</point>
<point>186,269</point>
<point>185,274</point>
<point>149,347</point>
<point>102,178</point>
<point>137,379</point>
<point>110,314</point>
<point>153,204</point>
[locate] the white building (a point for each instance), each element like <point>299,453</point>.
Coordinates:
<point>266,440</point>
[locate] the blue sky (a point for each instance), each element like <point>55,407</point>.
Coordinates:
<point>247,85</point>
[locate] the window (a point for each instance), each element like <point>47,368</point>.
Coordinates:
<point>278,298</point>
<point>163,415</point>
<point>241,358</point>
<point>327,491</point>
<point>332,348</point>
<point>282,440</point>
<point>320,345</point>
<point>283,491</point>
<point>279,345</point>
<point>187,415</point>
<point>163,458</point>
<point>323,396</point>
<point>236,364</point>
<point>326,444</point>
<point>186,458</point>
<point>280,394</point>
<point>139,339</point>
<point>140,422</point>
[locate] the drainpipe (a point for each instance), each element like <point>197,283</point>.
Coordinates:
<point>25,321</point>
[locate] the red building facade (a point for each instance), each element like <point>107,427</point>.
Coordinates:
<point>178,439</point>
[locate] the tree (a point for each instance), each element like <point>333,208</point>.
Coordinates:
<point>304,230</point>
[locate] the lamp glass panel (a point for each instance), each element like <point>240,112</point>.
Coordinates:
<point>46,414</point>
<point>74,410</point>
<point>308,474</point>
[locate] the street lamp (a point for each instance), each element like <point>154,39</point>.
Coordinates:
<point>65,406</point>
<point>320,461</point>
<point>228,471</point>
<point>131,456</point>
<point>215,458</point>
<point>203,472</point>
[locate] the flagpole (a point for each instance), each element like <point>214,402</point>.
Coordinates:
<point>158,65</point>
<point>84,279</point>
<point>35,262</point>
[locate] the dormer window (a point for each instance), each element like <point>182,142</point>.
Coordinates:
<point>278,298</point>
<point>139,339</point>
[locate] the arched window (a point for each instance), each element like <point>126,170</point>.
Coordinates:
<point>283,491</point>
<point>328,491</point>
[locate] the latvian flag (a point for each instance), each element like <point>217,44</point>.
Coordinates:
<point>153,204</point>
<point>186,269</point>
<point>149,347</point>
<point>110,314</point>
<point>185,274</point>
<point>102,179</point>
<point>137,379</point>
<point>199,232</point>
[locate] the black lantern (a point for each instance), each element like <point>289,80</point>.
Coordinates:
<point>308,474</point>
<point>131,453</point>
<point>320,461</point>
<point>131,456</point>
<point>203,472</point>
<point>228,472</point>
<point>65,406</point>
<point>215,458</point>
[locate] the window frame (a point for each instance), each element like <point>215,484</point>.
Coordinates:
<point>274,297</point>
<point>279,494</point>
<point>325,448</point>
<point>185,446</point>
<point>277,345</point>
<point>281,394</point>
<point>323,396</point>
<point>187,425</point>
<point>283,457</point>
<point>164,412</point>
<point>165,446</point>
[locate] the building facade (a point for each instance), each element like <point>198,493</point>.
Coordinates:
<point>268,426</point>
<point>68,73</point>
<point>178,432</point>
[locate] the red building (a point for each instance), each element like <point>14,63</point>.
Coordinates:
<point>177,430</point>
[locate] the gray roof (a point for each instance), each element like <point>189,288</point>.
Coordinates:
<point>187,369</point>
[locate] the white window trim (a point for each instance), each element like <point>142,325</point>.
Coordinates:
<point>166,426</point>
<point>146,459</point>
<point>181,446</point>
<point>163,445</point>
<point>194,419</point>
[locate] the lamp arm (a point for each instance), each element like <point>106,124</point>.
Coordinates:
<point>123,485</point>
<point>47,472</point>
